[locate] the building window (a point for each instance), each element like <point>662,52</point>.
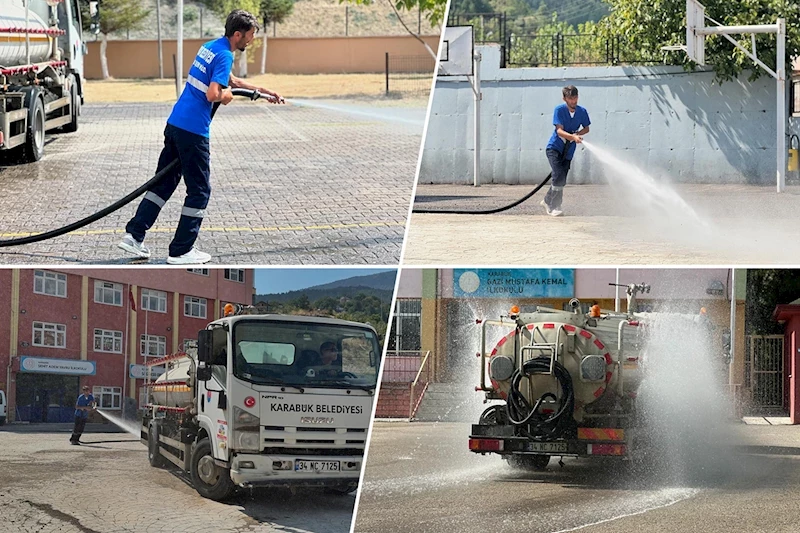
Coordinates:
<point>108,293</point>
<point>201,271</point>
<point>108,397</point>
<point>50,283</point>
<point>234,274</point>
<point>153,346</point>
<point>195,307</point>
<point>153,300</point>
<point>53,335</point>
<point>406,326</point>
<point>107,341</point>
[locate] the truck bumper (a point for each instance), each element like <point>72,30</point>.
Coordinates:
<point>500,440</point>
<point>256,469</point>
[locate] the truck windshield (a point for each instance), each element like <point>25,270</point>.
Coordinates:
<point>305,354</point>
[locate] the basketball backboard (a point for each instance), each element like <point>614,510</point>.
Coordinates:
<point>455,56</point>
<point>695,41</point>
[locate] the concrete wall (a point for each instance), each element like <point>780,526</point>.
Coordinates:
<point>662,119</point>
<point>332,55</point>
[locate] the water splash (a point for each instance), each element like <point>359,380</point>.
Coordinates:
<point>129,426</point>
<point>656,197</point>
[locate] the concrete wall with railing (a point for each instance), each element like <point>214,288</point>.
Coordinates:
<point>677,125</point>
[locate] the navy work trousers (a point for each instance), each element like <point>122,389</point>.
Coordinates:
<point>193,154</point>
<point>560,167</point>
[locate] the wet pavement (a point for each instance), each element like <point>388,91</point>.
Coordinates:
<point>421,477</point>
<point>745,225</point>
<point>107,486</point>
<point>293,184</point>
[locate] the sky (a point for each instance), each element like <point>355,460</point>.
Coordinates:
<point>278,280</point>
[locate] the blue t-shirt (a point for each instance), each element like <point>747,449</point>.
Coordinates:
<point>84,401</point>
<point>192,111</point>
<point>571,124</point>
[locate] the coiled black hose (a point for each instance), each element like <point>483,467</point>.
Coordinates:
<point>524,415</point>
<point>122,202</point>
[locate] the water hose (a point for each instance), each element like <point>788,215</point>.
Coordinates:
<point>122,202</point>
<point>524,415</point>
<point>486,211</point>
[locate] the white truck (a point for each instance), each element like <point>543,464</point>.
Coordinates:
<point>256,404</point>
<point>3,408</point>
<point>41,72</point>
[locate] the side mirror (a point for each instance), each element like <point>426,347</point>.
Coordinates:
<point>204,373</point>
<point>205,342</point>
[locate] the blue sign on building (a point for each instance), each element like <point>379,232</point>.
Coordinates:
<point>513,283</point>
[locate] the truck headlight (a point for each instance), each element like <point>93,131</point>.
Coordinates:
<point>246,430</point>
<point>247,441</point>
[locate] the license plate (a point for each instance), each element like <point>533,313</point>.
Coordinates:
<point>549,447</point>
<point>316,466</point>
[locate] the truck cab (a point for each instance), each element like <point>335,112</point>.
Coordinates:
<point>275,400</point>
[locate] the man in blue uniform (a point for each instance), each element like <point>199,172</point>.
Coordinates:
<point>186,139</point>
<point>84,404</point>
<point>571,122</point>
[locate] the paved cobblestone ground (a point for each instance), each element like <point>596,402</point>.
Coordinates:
<point>107,486</point>
<point>747,225</point>
<point>291,184</point>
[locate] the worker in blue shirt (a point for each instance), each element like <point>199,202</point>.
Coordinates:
<point>84,404</point>
<point>571,123</point>
<point>186,139</point>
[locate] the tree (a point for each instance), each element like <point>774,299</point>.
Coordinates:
<point>765,290</point>
<point>272,11</point>
<point>115,16</point>
<point>434,11</point>
<point>222,9</point>
<point>647,25</point>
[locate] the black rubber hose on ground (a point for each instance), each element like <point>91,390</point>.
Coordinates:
<point>487,211</point>
<point>122,202</point>
<point>521,413</point>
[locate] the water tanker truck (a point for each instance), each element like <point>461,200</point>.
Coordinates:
<point>567,381</point>
<point>262,401</point>
<point>41,72</point>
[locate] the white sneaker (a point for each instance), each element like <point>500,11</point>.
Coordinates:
<point>546,207</point>
<point>131,245</point>
<point>192,257</point>
<point>555,212</point>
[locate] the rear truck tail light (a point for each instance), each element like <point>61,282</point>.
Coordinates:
<point>486,445</point>
<point>606,449</point>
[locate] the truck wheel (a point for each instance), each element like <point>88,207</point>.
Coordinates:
<point>210,480</point>
<point>154,449</point>
<point>536,463</point>
<point>34,141</point>
<point>74,109</point>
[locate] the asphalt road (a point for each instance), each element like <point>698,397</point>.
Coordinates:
<point>108,486</point>
<point>420,477</point>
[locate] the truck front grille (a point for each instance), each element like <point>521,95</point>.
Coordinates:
<point>324,439</point>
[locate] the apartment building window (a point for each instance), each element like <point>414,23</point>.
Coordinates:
<point>108,293</point>
<point>50,283</point>
<point>201,271</point>
<point>153,300</point>
<point>52,335</point>
<point>108,397</point>
<point>194,307</point>
<point>153,346</point>
<point>106,340</point>
<point>234,274</point>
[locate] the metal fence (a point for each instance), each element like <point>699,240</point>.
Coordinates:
<point>409,75</point>
<point>763,370</point>
<point>523,47</point>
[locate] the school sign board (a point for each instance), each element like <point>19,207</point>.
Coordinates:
<point>514,283</point>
